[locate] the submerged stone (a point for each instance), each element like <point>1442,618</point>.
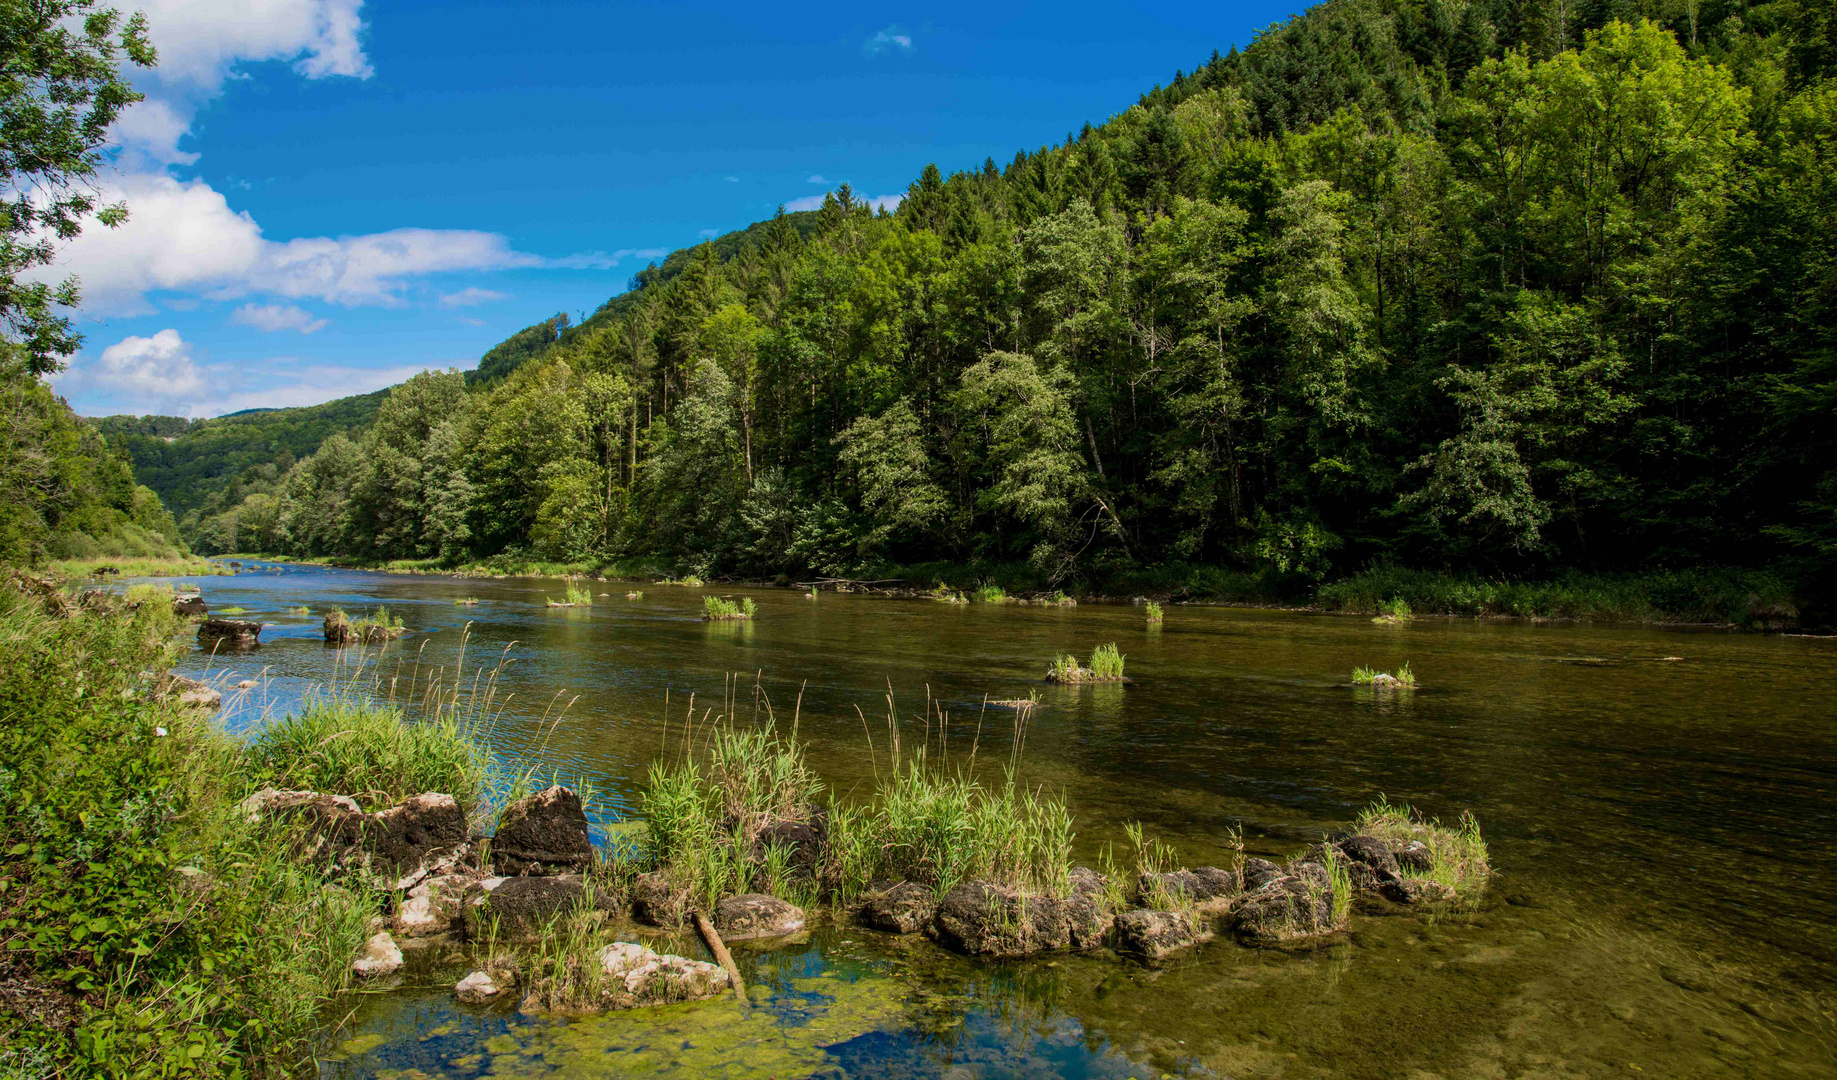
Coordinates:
<point>635,977</point>
<point>477,988</point>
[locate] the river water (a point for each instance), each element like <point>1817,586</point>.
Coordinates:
<point>1664,830</point>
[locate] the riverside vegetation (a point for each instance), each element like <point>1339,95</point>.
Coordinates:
<point>1497,309</point>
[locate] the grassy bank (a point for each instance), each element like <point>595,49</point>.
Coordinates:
<point>147,927</point>
<point>176,566</point>
<point>1749,598</point>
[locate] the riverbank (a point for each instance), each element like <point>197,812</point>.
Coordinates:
<point>1737,597</point>
<point>149,927</point>
<point>183,566</point>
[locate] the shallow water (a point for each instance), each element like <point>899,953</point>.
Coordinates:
<point>1664,830</point>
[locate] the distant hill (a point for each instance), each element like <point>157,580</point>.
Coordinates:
<point>189,461</point>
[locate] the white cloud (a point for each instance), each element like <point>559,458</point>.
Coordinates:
<point>816,178</point>
<point>308,386</point>
<point>158,366</point>
<point>201,41</point>
<point>893,38</point>
<point>469,297</point>
<point>154,128</point>
<point>708,234</point>
<point>271,318</point>
<point>470,321</point>
<point>731,179</point>
<point>815,202</point>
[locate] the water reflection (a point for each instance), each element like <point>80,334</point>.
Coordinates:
<point>1664,829</point>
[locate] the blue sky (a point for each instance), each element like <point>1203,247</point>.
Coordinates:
<point>327,196</point>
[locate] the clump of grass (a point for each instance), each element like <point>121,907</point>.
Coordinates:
<point>565,974</point>
<point>1059,599</point>
<point>635,594</point>
<point>349,745</point>
<point>465,601</point>
<point>718,609</point>
<point>578,596</point>
<point>1403,677</point>
<point>989,594</point>
<point>1106,666</point>
<point>1154,858</point>
<point>299,609</point>
<point>1154,613</point>
<point>942,829</point>
<point>690,580</point>
<point>232,610</point>
<point>1457,857</point>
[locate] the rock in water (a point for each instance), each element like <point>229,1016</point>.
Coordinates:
<point>1155,935</point>
<point>545,833</point>
<point>982,919</point>
<point>187,606</point>
<point>1208,886</point>
<point>636,976</point>
<point>229,634</point>
<point>1295,905</point>
<point>659,901</point>
<point>477,988</point>
<point>421,828</point>
<point>431,907</point>
<point>380,956</point>
<point>521,907</point>
<point>756,915</point>
<point>902,908</point>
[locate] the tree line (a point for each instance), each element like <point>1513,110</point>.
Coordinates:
<point>1474,286</point>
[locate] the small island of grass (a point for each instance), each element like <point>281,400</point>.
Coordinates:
<point>716,609</point>
<point>1106,667</point>
<point>1403,678</point>
<point>1154,613</point>
<point>374,628</point>
<point>1395,613</point>
<point>577,597</point>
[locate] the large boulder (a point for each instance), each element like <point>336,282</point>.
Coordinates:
<point>520,909</point>
<point>903,907</point>
<point>983,919</point>
<point>756,915</point>
<point>187,606</point>
<point>636,977</point>
<point>415,832</point>
<point>1087,909</point>
<point>229,634</point>
<point>800,839</point>
<point>545,833</point>
<point>1156,935</point>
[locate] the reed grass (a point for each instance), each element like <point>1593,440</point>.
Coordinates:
<point>1458,857</point>
<point>354,746</point>
<point>1154,613</point>
<point>989,593</point>
<point>717,609</point>
<point>465,601</point>
<point>1364,676</point>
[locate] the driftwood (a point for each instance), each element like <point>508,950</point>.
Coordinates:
<point>719,949</point>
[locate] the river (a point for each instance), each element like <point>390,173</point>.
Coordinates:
<point>1664,830</point>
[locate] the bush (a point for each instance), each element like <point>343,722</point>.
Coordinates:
<point>715,608</point>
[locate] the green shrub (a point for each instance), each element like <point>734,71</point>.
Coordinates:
<point>1106,663</point>
<point>717,609</point>
<point>1458,858</point>
<point>989,593</point>
<point>1154,612</point>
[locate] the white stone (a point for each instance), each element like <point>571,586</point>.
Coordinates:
<point>380,956</point>
<point>477,988</point>
<point>431,906</point>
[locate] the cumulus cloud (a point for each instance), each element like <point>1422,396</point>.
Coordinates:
<point>709,234</point>
<point>891,39</point>
<point>309,385</point>
<point>731,179</point>
<point>159,366</point>
<point>201,41</point>
<point>272,318</point>
<point>816,178</point>
<point>470,297</point>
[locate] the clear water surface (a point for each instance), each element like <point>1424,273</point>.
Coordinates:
<point>1664,830</point>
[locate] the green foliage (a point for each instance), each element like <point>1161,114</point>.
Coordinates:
<point>988,593</point>
<point>1154,613</point>
<point>1458,858</point>
<point>1106,663</point>
<point>1364,676</point>
<point>1448,289</point>
<point>351,745</point>
<point>1742,598</point>
<point>187,936</point>
<point>715,608</point>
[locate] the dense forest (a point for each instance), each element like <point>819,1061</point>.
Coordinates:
<point>1498,286</point>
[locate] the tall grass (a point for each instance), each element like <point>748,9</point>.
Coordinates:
<point>371,752</point>
<point>1154,613</point>
<point>989,593</point>
<point>1106,662</point>
<point>716,609</point>
<point>1364,676</point>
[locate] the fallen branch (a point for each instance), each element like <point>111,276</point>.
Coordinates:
<point>719,949</point>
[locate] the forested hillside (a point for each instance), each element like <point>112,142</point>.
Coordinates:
<point>1494,286</point>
